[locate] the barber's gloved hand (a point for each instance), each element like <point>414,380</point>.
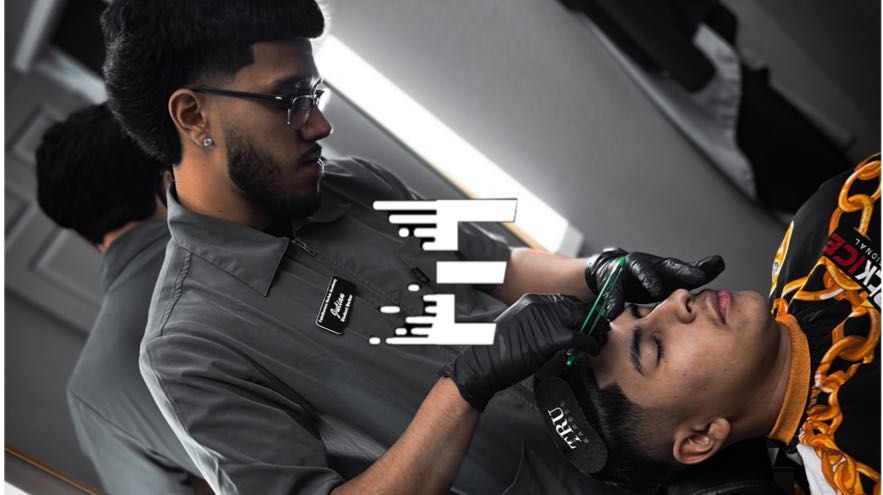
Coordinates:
<point>646,277</point>
<point>528,334</point>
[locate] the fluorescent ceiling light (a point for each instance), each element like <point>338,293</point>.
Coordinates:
<point>477,176</point>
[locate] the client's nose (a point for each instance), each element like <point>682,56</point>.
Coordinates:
<point>681,305</point>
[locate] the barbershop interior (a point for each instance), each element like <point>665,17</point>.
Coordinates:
<point>681,128</point>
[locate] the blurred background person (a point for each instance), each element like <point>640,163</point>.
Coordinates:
<point>93,179</point>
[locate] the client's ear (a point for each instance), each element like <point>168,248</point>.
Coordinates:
<point>693,443</point>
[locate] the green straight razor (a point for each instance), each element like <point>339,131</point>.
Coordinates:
<point>599,307</point>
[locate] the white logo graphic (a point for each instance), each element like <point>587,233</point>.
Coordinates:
<point>441,328</point>
<point>437,223</point>
<point>437,220</point>
<point>470,272</point>
<point>564,427</point>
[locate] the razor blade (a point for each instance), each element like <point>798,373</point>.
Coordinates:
<point>599,307</point>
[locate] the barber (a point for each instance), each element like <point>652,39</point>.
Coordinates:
<point>263,231</point>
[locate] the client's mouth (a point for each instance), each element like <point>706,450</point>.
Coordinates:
<point>723,303</point>
<point>719,301</point>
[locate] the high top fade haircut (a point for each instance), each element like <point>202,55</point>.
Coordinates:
<point>91,177</point>
<point>155,47</point>
<point>622,425</point>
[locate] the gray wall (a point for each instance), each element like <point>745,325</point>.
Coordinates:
<point>825,53</point>
<point>528,85</point>
<point>840,39</point>
<point>40,355</point>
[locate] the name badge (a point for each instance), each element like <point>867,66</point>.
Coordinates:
<point>336,309</point>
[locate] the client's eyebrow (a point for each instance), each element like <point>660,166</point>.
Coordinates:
<point>635,350</point>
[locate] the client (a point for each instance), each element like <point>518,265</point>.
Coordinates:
<point>678,381</point>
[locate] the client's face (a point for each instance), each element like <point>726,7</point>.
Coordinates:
<point>690,353</point>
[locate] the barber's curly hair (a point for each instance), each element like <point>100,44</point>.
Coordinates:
<point>621,424</point>
<point>158,46</point>
<point>91,177</point>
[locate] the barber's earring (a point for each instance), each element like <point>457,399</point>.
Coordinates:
<point>207,142</point>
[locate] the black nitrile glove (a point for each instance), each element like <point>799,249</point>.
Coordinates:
<point>647,278</point>
<point>528,334</point>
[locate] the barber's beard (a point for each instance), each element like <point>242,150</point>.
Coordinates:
<point>260,177</point>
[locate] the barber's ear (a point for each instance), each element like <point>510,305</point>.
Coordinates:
<point>694,443</point>
<point>187,112</point>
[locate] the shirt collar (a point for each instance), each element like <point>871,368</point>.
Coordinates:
<point>797,390</point>
<point>128,245</point>
<point>248,254</point>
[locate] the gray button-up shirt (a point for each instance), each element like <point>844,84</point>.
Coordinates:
<point>264,400</point>
<point>117,422</point>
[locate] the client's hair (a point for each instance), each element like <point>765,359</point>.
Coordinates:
<point>622,425</point>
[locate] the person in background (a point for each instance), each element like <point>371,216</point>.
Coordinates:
<point>95,180</point>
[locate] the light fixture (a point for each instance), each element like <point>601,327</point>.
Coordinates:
<point>439,146</point>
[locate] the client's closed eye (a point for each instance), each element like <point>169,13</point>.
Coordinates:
<point>660,350</point>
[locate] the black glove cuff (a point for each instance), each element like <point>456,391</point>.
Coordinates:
<point>597,262</point>
<point>590,277</point>
<point>450,371</point>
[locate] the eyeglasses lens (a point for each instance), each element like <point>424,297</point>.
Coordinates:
<point>299,111</point>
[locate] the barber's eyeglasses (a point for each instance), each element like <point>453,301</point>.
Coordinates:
<point>299,106</point>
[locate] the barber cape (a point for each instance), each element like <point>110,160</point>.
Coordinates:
<point>826,285</point>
